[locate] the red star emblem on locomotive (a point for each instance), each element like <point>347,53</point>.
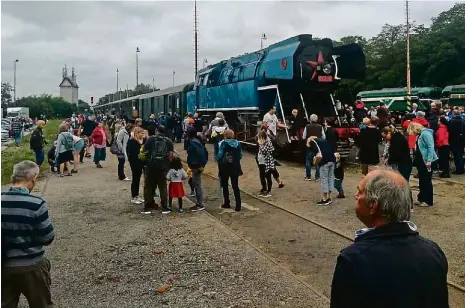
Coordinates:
<point>315,64</point>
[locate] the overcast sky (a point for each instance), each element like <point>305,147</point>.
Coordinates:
<point>98,37</point>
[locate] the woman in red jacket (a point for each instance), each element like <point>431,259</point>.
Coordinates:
<point>99,139</point>
<point>442,143</point>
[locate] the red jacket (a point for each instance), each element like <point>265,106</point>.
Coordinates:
<point>97,136</point>
<point>442,136</point>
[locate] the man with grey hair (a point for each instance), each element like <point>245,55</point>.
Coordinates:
<point>317,130</point>
<point>26,229</point>
<point>389,264</point>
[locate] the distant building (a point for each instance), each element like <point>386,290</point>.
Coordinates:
<point>69,87</point>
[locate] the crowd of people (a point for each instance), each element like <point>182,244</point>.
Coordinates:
<point>383,199</point>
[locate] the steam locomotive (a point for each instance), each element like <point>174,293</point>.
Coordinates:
<point>297,73</point>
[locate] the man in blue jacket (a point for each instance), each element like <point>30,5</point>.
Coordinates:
<point>389,264</point>
<point>197,157</point>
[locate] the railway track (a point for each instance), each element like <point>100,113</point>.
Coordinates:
<point>456,288</point>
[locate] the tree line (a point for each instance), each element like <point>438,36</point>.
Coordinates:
<point>139,89</point>
<point>45,104</point>
<point>437,54</point>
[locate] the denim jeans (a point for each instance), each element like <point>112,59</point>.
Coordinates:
<point>197,184</point>
<point>308,165</point>
<point>39,156</point>
<point>338,186</point>
<point>327,177</point>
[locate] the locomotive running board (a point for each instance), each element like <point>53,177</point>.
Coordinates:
<point>275,86</point>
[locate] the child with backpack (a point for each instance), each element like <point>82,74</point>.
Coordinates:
<point>175,188</point>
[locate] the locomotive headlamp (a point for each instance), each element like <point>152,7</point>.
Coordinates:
<point>327,68</point>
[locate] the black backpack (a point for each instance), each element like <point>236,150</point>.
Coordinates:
<point>228,157</point>
<point>159,153</point>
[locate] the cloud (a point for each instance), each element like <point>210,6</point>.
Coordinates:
<point>96,38</point>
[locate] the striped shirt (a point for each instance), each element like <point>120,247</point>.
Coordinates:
<point>26,228</point>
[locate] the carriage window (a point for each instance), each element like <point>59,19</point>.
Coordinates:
<point>177,102</point>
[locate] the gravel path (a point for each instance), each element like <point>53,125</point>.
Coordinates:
<point>106,254</point>
<point>446,218</point>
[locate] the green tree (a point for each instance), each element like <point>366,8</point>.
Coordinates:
<point>140,89</point>
<point>52,107</point>
<point>6,94</point>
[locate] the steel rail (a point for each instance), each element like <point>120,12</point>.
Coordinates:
<point>452,284</point>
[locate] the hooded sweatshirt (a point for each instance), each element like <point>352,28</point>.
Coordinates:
<point>230,146</point>
<point>176,176</point>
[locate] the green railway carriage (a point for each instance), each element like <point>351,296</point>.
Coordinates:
<point>454,95</point>
<point>173,99</point>
<point>396,98</point>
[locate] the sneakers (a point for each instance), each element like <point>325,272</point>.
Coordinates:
<point>341,196</point>
<point>146,212</point>
<point>126,179</point>
<point>307,179</point>
<point>324,202</point>
<point>281,185</point>
<point>192,194</point>
<point>136,200</point>
<point>180,211</point>
<point>421,204</point>
<point>140,199</point>
<point>265,194</point>
<point>225,206</point>
<point>167,210</point>
<point>197,208</point>
<point>74,171</point>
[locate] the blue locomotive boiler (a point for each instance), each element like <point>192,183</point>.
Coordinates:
<point>297,73</point>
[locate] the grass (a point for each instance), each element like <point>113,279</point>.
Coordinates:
<point>13,155</point>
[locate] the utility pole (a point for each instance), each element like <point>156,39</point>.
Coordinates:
<point>120,93</point>
<point>261,40</point>
<point>153,84</point>
<point>137,67</point>
<point>409,98</point>
<point>173,77</point>
<point>14,83</point>
<point>117,80</point>
<point>127,90</point>
<point>196,46</point>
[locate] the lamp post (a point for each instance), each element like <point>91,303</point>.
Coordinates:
<point>173,77</point>
<point>137,67</point>
<point>117,80</point>
<point>262,39</point>
<point>14,82</point>
<point>205,61</point>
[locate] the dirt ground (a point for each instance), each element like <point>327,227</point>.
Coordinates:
<point>106,254</point>
<point>444,223</point>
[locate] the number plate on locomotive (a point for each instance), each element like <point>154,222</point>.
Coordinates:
<point>325,78</point>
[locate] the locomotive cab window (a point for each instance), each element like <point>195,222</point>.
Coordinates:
<point>205,80</point>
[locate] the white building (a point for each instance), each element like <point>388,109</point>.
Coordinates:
<point>69,87</point>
